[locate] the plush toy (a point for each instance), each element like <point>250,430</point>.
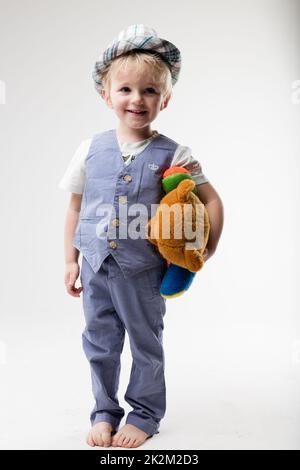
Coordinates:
<point>183,262</point>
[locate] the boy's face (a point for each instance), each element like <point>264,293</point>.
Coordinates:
<point>131,91</point>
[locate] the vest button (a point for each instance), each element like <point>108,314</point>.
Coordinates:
<point>113,244</point>
<point>123,199</point>
<point>115,222</point>
<point>127,178</point>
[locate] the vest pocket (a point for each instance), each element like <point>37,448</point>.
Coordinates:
<point>88,235</point>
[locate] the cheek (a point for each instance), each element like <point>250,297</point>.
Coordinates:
<point>120,108</point>
<point>150,104</point>
<point>119,103</point>
<point>156,105</point>
<point>157,102</point>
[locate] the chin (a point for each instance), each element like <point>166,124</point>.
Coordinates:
<point>141,126</point>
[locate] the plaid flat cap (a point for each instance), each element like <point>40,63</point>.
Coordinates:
<point>137,36</point>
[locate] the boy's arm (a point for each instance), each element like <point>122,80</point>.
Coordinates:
<point>71,253</point>
<point>213,203</point>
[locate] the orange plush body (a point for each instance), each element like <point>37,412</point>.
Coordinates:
<point>173,226</point>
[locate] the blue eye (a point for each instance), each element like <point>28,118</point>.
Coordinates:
<point>127,88</point>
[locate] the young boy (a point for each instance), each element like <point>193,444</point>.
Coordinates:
<point>121,276</point>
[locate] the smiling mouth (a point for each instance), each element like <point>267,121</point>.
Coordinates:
<point>136,112</point>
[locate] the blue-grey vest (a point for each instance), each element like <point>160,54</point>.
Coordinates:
<point>111,188</point>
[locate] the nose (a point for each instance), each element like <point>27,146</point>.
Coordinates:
<point>137,98</point>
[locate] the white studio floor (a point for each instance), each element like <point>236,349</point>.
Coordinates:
<point>214,399</point>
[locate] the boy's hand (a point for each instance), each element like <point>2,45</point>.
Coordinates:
<point>71,274</point>
<point>207,254</point>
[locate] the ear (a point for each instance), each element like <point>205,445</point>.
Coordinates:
<point>106,98</point>
<point>184,189</point>
<point>165,102</point>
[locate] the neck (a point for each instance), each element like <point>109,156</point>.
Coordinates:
<point>133,135</point>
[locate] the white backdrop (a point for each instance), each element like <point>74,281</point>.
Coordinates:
<point>232,343</point>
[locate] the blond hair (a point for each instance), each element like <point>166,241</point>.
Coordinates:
<point>144,60</point>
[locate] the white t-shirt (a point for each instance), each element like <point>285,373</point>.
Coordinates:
<point>74,178</point>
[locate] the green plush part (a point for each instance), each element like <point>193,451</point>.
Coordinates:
<point>172,181</point>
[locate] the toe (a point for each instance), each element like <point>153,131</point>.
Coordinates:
<point>106,437</point>
<point>115,439</point>
<point>126,442</point>
<point>130,443</point>
<point>98,439</point>
<point>136,443</point>
<point>90,441</point>
<point>121,440</point>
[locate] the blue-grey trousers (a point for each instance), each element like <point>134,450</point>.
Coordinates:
<point>113,304</point>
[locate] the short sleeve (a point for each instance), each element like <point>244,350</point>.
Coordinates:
<point>183,157</point>
<point>74,178</point>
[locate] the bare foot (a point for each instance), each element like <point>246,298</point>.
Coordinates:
<point>129,436</point>
<point>100,434</point>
